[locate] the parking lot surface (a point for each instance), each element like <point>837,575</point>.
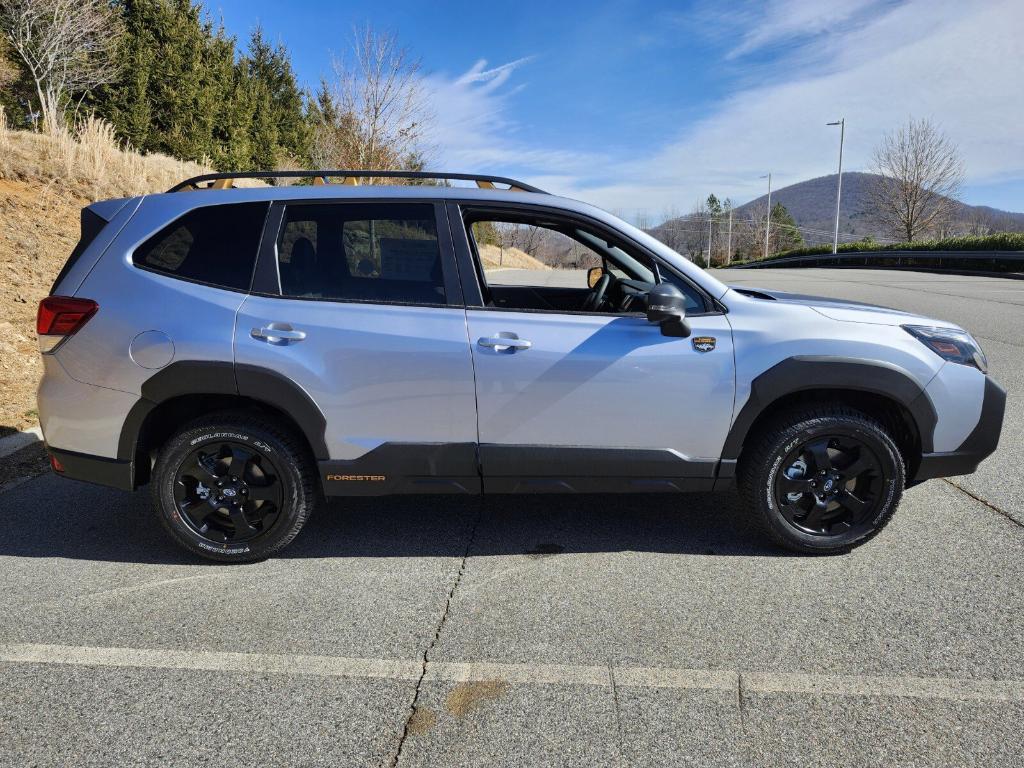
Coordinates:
<point>550,630</point>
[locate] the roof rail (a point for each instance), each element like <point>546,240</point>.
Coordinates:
<point>349,177</point>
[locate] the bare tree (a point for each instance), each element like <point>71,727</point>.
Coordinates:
<point>374,113</point>
<point>67,46</point>
<point>921,173</point>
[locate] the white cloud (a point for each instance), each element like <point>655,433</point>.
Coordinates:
<point>782,21</point>
<point>957,63</point>
<point>472,130</point>
<point>960,67</point>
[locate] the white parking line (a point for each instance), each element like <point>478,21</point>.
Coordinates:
<point>955,689</point>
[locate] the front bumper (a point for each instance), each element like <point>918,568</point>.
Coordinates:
<point>978,445</point>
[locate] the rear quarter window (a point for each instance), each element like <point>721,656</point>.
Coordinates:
<point>215,245</point>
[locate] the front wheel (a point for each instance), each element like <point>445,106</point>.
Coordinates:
<point>233,487</point>
<point>822,480</point>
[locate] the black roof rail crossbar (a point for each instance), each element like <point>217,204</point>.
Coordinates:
<point>481,181</point>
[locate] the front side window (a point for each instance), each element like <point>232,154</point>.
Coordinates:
<point>215,245</point>
<point>540,264</point>
<point>361,252</point>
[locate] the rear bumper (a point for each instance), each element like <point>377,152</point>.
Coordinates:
<point>100,470</point>
<point>978,446</point>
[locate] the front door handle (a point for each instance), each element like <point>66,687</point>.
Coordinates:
<point>505,341</point>
<point>277,333</point>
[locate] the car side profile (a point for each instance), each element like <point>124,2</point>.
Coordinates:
<point>248,351</point>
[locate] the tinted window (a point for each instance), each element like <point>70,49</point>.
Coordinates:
<point>361,252</point>
<point>216,245</point>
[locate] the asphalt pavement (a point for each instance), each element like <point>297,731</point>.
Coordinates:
<point>534,631</point>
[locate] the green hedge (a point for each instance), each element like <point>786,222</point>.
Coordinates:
<point>1004,241</point>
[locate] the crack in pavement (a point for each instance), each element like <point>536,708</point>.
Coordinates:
<point>987,503</point>
<point>413,706</point>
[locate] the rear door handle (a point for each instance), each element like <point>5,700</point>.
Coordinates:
<point>505,341</point>
<point>277,333</point>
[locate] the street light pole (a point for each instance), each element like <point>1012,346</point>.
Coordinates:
<point>839,186</point>
<point>728,246</point>
<point>768,219</point>
<point>710,219</point>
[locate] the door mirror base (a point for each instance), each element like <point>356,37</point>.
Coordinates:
<point>677,327</point>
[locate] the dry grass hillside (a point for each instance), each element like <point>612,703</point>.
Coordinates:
<point>45,180</point>
<point>494,257</point>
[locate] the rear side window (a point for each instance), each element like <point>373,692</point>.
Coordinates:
<point>215,245</point>
<point>361,252</point>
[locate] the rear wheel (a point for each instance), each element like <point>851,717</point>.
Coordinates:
<point>233,487</point>
<point>823,479</point>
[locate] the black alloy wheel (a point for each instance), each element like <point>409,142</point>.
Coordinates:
<point>235,486</point>
<point>227,493</point>
<point>821,478</point>
<point>830,485</point>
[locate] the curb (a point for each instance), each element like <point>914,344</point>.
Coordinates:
<point>19,440</point>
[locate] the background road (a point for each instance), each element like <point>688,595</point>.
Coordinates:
<point>543,630</point>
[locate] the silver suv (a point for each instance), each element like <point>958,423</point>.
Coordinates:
<point>248,351</point>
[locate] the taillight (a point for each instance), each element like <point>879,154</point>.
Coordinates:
<point>60,317</point>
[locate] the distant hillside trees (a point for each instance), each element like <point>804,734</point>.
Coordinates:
<point>689,234</point>
<point>65,48</point>
<point>921,173</point>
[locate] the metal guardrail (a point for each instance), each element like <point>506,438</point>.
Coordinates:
<point>999,262</point>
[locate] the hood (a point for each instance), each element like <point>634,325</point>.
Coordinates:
<point>843,309</point>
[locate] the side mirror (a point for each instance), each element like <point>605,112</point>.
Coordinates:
<point>666,306</point>
<point>593,275</point>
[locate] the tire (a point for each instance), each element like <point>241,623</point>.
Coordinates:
<point>793,477</point>
<point>234,487</point>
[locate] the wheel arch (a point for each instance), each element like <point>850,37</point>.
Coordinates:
<point>188,389</point>
<point>880,389</point>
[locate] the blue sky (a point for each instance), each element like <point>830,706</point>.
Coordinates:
<point>646,107</point>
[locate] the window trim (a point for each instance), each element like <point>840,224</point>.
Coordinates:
<point>267,277</point>
<point>170,275</point>
<point>470,268</point>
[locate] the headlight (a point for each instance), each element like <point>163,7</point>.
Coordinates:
<point>950,344</point>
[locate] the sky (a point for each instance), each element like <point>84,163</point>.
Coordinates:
<point>644,108</point>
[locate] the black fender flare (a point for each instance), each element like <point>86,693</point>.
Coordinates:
<point>813,372</point>
<point>202,377</point>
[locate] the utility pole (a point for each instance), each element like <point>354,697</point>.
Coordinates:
<point>710,219</point>
<point>839,186</point>
<point>728,242</point>
<point>768,219</point>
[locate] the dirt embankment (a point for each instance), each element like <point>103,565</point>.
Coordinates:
<point>38,229</point>
<point>45,181</point>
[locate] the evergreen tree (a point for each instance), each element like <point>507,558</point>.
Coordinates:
<point>785,235</point>
<point>187,93</point>
<point>280,128</point>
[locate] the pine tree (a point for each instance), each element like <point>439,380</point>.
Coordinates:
<point>785,235</point>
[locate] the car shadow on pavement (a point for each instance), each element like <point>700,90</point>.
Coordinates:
<point>54,517</point>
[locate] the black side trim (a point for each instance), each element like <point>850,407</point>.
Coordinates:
<point>803,373</point>
<point>404,468</point>
<point>194,377</point>
<point>979,445</point>
<point>598,484</point>
<point>580,461</point>
<point>100,470</point>
<point>578,469</point>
